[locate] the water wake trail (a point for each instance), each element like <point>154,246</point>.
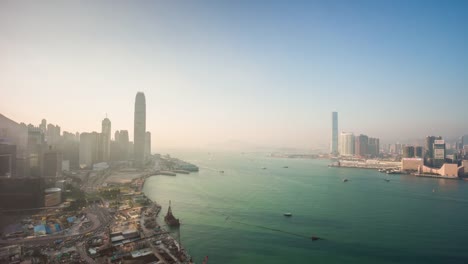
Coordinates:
<point>274,229</point>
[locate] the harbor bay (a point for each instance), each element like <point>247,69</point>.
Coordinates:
<point>236,216</point>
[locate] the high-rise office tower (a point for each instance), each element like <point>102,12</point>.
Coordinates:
<point>429,155</point>
<point>124,144</point>
<point>361,145</point>
<point>148,144</point>
<point>418,152</point>
<point>373,148</point>
<point>88,149</point>
<point>139,129</point>
<point>346,144</point>
<point>334,141</point>
<point>105,139</point>
<point>408,152</point>
<point>464,140</point>
<point>438,153</point>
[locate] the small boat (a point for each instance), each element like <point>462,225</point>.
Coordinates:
<point>287,214</point>
<point>285,167</point>
<point>387,180</point>
<point>264,168</point>
<point>345,180</point>
<point>314,238</point>
<point>221,171</point>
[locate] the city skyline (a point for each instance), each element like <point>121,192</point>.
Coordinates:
<point>261,75</point>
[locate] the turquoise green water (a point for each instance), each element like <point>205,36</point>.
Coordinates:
<point>231,216</point>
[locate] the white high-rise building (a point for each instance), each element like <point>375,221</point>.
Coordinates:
<point>88,154</point>
<point>334,140</point>
<point>139,130</point>
<point>346,144</point>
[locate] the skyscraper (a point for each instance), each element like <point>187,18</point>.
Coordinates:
<point>88,149</point>
<point>139,129</point>
<point>148,144</point>
<point>105,139</point>
<point>361,145</point>
<point>346,144</point>
<point>334,141</point>
<point>408,152</point>
<point>438,153</point>
<point>464,140</point>
<point>373,148</point>
<point>429,155</point>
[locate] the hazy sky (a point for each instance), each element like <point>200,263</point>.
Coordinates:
<point>263,72</point>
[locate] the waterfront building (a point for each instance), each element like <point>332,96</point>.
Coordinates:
<point>408,152</point>
<point>463,144</point>
<point>334,141</point>
<point>346,144</point>
<point>105,139</point>
<point>361,143</point>
<point>373,148</point>
<point>418,152</point>
<point>447,170</point>
<point>429,146</point>
<point>465,167</point>
<point>139,130</point>
<point>147,144</point>
<point>411,164</point>
<point>438,153</point>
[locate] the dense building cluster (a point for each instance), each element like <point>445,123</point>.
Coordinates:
<point>30,152</point>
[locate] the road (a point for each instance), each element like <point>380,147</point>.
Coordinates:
<point>97,215</point>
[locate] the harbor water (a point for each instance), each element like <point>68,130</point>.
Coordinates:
<point>236,216</point>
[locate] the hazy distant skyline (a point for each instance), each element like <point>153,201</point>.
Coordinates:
<point>267,73</point>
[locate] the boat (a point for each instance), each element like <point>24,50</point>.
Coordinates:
<point>387,180</point>
<point>287,214</point>
<point>264,168</point>
<point>170,218</point>
<point>314,238</point>
<point>221,171</point>
<point>285,167</point>
<point>345,180</point>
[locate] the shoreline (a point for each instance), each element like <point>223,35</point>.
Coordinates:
<point>154,204</point>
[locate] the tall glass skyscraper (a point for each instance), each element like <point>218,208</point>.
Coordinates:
<point>139,129</point>
<point>334,141</point>
<point>105,139</point>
